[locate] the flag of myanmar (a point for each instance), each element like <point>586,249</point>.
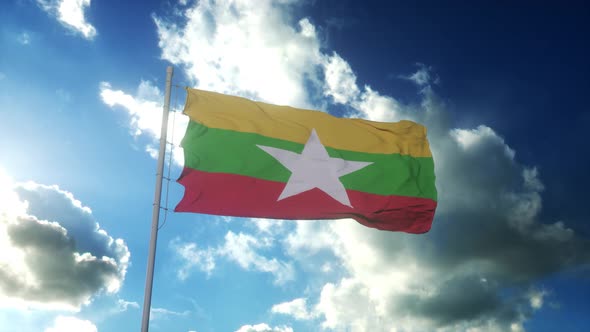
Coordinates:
<point>251,159</point>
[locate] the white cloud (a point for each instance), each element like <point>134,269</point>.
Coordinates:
<point>473,139</point>
<point>192,257</point>
<point>145,108</point>
<point>423,77</point>
<point>123,305</point>
<point>348,305</point>
<point>374,106</point>
<point>145,115</point>
<point>53,253</point>
<point>262,327</point>
<point>296,308</point>
<point>162,313</point>
<point>340,80</point>
<point>70,13</point>
<point>341,86</point>
<point>269,226</point>
<point>536,298</point>
<point>71,324</point>
<point>244,48</point>
<point>2,76</point>
<point>309,238</point>
<point>242,249</point>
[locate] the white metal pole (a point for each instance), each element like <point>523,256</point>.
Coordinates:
<point>149,278</point>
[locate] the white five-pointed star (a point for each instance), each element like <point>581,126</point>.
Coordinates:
<point>314,168</point>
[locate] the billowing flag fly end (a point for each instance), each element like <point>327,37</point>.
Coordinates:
<point>252,159</point>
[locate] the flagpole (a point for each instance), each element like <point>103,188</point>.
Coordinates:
<point>149,278</point>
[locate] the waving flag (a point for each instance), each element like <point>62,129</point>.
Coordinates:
<point>252,159</point>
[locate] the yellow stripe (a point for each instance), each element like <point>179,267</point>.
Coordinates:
<point>216,110</point>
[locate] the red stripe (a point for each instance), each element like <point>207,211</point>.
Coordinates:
<point>243,196</point>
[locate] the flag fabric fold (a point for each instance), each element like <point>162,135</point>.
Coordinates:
<point>251,159</point>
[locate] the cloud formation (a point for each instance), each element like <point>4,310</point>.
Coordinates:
<point>70,13</point>
<point>162,313</point>
<point>144,110</point>
<point>262,327</point>
<point>244,48</point>
<point>241,249</point>
<point>123,305</point>
<point>296,308</point>
<point>71,324</point>
<point>54,254</point>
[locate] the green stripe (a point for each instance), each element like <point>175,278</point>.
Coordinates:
<point>227,151</point>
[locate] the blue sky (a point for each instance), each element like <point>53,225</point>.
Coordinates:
<point>501,88</point>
